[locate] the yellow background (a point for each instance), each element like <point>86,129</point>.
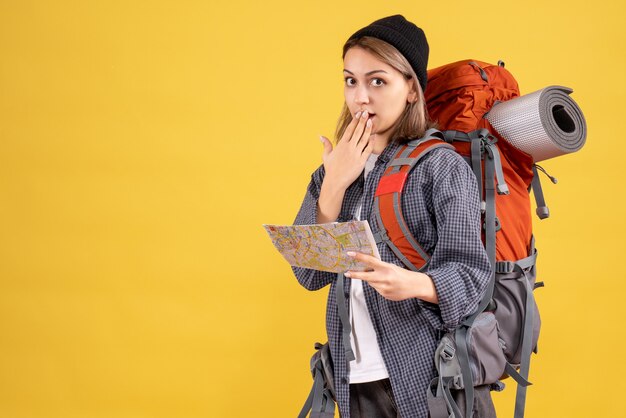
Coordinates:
<point>143,144</point>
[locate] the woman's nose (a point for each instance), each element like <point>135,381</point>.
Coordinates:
<point>361,96</point>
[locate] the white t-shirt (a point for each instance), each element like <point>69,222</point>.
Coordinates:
<point>369,365</point>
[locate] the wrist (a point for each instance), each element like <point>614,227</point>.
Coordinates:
<point>329,202</point>
<point>332,193</point>
<point>333,186</point>
<point>425,288</point>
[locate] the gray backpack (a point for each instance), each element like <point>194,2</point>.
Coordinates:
<point>495,342</point>
<point>489,345</point>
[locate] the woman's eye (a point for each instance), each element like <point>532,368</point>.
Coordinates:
<point>377,82</point>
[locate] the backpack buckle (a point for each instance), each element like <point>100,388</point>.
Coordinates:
<point>497,223</point>
<point>447,352</point>
<point>381,236</point>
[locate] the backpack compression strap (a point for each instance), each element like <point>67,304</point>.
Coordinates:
<point>321,399</point>
<point>392,227</point>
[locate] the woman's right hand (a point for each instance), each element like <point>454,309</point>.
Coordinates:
<point>344,163</point>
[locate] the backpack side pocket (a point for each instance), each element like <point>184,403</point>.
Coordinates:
<point>487,360</point>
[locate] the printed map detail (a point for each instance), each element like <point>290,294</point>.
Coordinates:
<point>324,246</point>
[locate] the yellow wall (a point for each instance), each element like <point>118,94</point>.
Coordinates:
<point>143,144</point>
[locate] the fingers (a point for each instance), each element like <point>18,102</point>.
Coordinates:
<point>370,260</point>
<point>366,276</point>
<point>360,128</point>
<point>328,146</point>
<point>355,128</point>
<point>347,134</point>
<point>364,139</point>
<point>369,147</point>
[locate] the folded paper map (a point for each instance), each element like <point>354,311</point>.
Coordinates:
<point>324,246</point>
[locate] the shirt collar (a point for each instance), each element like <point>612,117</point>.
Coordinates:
<point>389,151</point>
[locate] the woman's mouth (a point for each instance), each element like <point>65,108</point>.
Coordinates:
<point>369,115</point>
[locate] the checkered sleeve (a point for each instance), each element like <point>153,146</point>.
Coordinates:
<point>459,266</point>
<point>307,215</point>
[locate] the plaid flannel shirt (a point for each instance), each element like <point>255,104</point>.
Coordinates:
<point>441,207</point>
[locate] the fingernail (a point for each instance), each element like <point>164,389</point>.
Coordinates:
<point>347,274</point>
<point>321,139</point>
<point>351,253</point>
<point>364,114</point>
<point>369,122</point>
<point>358,114</point>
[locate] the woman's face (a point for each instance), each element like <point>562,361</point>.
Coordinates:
<point>372,85</point>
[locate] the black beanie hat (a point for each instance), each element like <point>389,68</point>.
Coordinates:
<point>406,37</point>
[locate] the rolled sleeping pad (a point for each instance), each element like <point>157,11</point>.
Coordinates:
<point>544,124</point>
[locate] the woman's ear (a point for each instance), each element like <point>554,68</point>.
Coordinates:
<point>412,97</point>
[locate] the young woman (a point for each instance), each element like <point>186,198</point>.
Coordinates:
<point>397,315</point>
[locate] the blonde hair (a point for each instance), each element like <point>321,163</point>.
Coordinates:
<point>414,120</point>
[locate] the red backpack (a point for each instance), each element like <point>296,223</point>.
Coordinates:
<point>496,341</point>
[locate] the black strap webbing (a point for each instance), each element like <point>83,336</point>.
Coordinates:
<point>342,310</point>
<point>319,401</point>
<point>437,406</point>
<point>527,339</point>
<point>542,209</point>
<point>477,166</point>
<point>460,337</point>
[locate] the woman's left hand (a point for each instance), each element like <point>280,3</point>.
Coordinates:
<point>394,282</point>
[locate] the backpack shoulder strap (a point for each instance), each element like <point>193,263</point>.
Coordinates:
<point>392,228</point>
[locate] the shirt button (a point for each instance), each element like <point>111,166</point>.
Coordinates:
<point>344,380</point>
